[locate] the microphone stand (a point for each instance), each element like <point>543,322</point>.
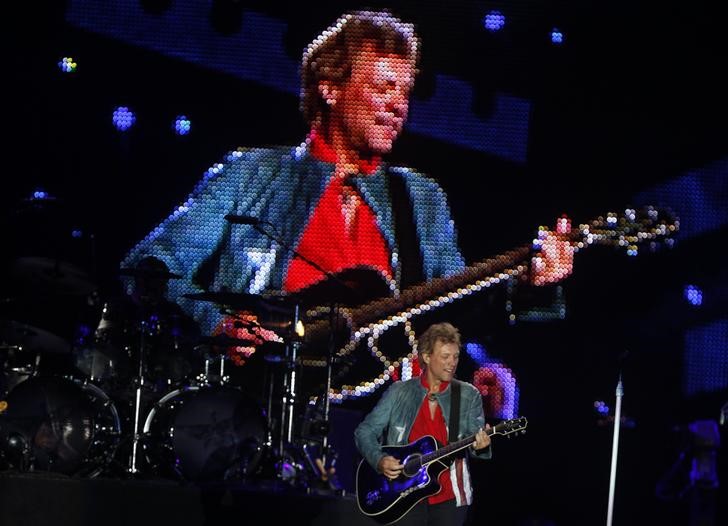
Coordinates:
<point>615,447</point>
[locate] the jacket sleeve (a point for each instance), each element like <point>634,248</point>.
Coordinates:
<point>435,227</point>
<point>475,418</point>
<point>195,230</point>
<point>369,434</point>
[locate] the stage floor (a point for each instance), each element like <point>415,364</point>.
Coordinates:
<point>49,499</point>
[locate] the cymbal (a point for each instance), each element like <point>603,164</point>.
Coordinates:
<point>34,339</point>
<point>148,273</point>
<point>353,286</point>
<point>256,303</point>
<point>223,340</point>
<point>52,276</point>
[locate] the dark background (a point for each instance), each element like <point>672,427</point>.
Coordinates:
<point>633,98</point>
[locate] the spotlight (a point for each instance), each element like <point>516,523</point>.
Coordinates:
<point>123,118</point>
<point>182,125</point>
<point>494,21</point>
<point>67,65</point>
<point>693,295</point>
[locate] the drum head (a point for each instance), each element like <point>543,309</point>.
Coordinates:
<point>54,419</point>
<point>218,432</point>
<point>50,423</point>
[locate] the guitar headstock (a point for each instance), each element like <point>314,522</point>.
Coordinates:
<point>511,427</point>
<point>629,229</point>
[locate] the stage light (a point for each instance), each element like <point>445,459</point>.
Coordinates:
<point>67,65</point>
<point>182,125</point>
<point>494,21</point>
<point>123,118</point>
<point>694,295</point>
<point>557,37</point>
<point>601,407</point>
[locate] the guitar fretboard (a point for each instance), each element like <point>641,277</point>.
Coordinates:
<point>460,444</point>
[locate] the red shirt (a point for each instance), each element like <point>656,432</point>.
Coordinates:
<point>337,236</point>
<point>424,425</point>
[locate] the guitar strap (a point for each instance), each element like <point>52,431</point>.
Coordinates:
<point>453,428</point>
<point>405,233</point>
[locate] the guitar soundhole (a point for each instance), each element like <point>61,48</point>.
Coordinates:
<point>412,465</point>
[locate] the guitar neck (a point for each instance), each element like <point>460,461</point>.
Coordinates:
<point>453,447</point>
<point>418,294</point>
<point>628,230</point>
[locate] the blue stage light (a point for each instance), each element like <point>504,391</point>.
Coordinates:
<point>123,118</point>
<point>694,295</point>
<point>557,37</point>
<point>182,125</point>
<point>494,21</point>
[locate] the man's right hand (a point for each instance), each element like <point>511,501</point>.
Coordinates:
<point>245,327</point>
<point>390,467</point>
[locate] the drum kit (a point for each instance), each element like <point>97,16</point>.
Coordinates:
<point>145,395</point>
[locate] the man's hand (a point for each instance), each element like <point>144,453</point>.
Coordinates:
<point>482,439</point>
<point>390,467</point>
<point>555,258</point>
<point>245,327</point>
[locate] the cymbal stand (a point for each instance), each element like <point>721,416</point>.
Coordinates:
<point>333,319</point>
<point>136,432</point>
<point>207,378</point>
<point>289,386</point>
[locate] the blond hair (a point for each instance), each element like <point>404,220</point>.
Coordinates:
<point>439,332</point>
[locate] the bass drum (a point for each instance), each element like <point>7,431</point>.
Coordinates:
<point>205,434</point>
<point>60,425</point>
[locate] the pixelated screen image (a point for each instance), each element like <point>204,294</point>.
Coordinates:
<point>264,208</point>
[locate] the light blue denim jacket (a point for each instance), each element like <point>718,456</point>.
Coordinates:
<point>390,422</point>
<point>280,186</point>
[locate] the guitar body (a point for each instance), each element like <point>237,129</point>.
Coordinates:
<point>387,500</point>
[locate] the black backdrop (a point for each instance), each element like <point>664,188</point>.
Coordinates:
<point>634,97</point>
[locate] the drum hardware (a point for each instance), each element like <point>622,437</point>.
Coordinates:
<point>209,376</point>
<point>289,384</point>
<point>31,339</point>
<point>254,314</point>
<point>23,348</point>
<point>59,424</point>
<point>302,462</point>
<point>332,290</point>
<point>205,433</point>
<point>136,436</point>
<point>16,452</point>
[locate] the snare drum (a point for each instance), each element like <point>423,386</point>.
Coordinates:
<point>58,424</point>
<point>205,433</point>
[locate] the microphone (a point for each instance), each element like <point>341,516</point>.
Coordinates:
<point>242,220</point>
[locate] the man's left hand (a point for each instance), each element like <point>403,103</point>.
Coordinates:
<point>555,258</point>
<point>482,439</point>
